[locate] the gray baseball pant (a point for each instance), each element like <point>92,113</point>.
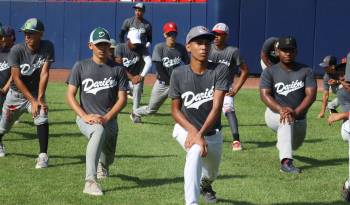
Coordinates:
<point>289,136</point>
<point>14,106</point>
<point>333,104</point>
<point>136,94</point>
<point>345,134</point>
<point>101,146</point>
<point>158,96</point>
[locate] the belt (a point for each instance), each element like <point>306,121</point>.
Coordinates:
<point>213,132</point>
<point>162,82</point>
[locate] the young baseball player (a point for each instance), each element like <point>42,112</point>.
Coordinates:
<point>166,57</point>
<point>30,63</point>
<point>329,82</point>
<point>112,49</point>
<point>138,23</point>
<point>133,56</point>
<point>268,54</point>
<point>220,52</point>
<point>102,94</point>
<point>197,91</point>
<point>288,89</point>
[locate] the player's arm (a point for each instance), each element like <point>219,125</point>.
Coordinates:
<point>148,64</point>
<point>149,34</point>
<point>6,87</point>
<point>73,103</point>
<point>44,78</point>
<point>117,107</point>
<point>160,70</point>
<point>121,36</point>
<point>123,30</point>
<point>310,97</point>
<point>242,78</point>
<point>266,97</point>
<point>325,97</point>
<point>334,117</point>
<point>265,59</point>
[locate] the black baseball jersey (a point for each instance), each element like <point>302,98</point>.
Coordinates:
<point>196,91</point>
<point>30,63</point>
<point>132,59</point>
<point>288,86</point>
<point>99,84</point>
<point>5,71</point>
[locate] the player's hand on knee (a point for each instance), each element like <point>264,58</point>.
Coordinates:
<point>35,108</point>
<point>43,106</point>
<point>92,119</point>
<point>191,138</point>
<point>204,146</point>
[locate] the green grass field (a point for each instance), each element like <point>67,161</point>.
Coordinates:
<point>149,163</point>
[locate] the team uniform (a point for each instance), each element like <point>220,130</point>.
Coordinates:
<point>5,73</point>
<point>168,60</point>
<point>99,85</point>
<point>196,95</point>
<point>133,62</point>
<point>268,49</point>
<point>334,88</point>
<point>30,65</point>
<point>288,90</point>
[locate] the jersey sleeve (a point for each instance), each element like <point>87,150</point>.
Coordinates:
<point>310,80</point>
<point>75,75</point>
<point>126,25</point>
<point>237,59</point>
<point>222,81</point>
<point>123,83</point>
<point>325,82</point>
<point>50,56</point>
<point>174,88</point>
<point>13,57</point>
<point>266,81</point>
<point>157,54</point>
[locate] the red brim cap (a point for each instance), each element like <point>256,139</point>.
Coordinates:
<point>168,30</point>
<point>219,32</point>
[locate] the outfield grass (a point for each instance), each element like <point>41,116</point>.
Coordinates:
<point>149,163</point>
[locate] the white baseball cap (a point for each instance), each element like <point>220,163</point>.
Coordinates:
<point>134,36</point>
<point>221,28</point>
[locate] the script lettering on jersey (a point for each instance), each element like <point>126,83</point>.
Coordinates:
<point>167,62</point>
<point>27,69</point>
<point>192,100</point>
<point>91,86</point>
<point>127,63</point>
<point>141,30</point>
<point>283,89</point>
<point>4,66</point>
<point>225,62</point>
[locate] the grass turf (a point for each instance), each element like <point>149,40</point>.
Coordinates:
<point>149,164</point>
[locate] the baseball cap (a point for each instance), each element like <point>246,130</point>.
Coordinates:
<point>221,28</point>
<point>169,27</point>
<point>134,36</point>
<point>288,42</point>
<point>113,43</point>
<point>99,35</point>
<point>9,31</point>
<point>328,61</point>
<point>139,6</point>
<point>199,31</point>
<point>33,25</point>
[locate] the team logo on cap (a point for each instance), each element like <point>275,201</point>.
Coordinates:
<point>101,34</point>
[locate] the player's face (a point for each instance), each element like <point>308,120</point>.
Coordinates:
<point>100,50</point>
<point>32,39</point>
<point>171,37</point>
<point>199,49</point>
<point>330,69</point>
<point>287,55</point>
<point>220,39</point>
<point>9,41</point>
<point>2,41</point>
<point>138,13</point>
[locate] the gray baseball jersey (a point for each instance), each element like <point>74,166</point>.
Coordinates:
<point>132,59</point>
<point>288,86</point>
<point>196,91</point>
<point>344,99</point>
<point>170,58</point>
<point>326,86</point>
<point>5,71</point>
<point>229,56</point>
<point>30,64</point>
<point>99,84</point>
<point>269,49</point>
<point>143,26</point>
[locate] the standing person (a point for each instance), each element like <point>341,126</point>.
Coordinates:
<point>112,49</point>
<point>138,23</point>
<point>220,52</point>
<point>166,57</point>
<point>134,56</point>
<point>197,91</point>
<point>102,94</point>
<point>329,81</point>
<point>268,54</point>
<point>30,63</point>
<point>288,89</point>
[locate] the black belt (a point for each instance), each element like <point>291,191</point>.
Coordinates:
<point>213,132</point>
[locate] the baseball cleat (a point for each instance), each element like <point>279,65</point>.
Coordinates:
<point>288,167</point>
<point>345,193</point>
<point>135,118</point>
<point>102,172</point>
<point>2,150</point>
<point>92,188</point>
<point>207,191</point>
<point>236,145</point>
<point>42,161</point>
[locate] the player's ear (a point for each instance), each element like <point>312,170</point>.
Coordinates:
<point>164,35</point>
<point>188,47</point>
<point>90,46</point>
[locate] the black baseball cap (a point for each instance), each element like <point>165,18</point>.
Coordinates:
<point>288,42</point>
<point>139,6</point>
<point>33,25</point>
<point>328,61</point>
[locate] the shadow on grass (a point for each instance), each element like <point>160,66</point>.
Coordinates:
<point>227,201</point>
<point>145,156</point>
<point>248,125</point>
<point>313,203</point>
<point>144,183</point>
<point>80,157</point>
<point>314,163</point>
<point>31,136</point>
<point>31,123</point>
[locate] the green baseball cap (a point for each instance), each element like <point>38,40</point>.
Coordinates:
<point>33,25</point>
<point>99,35</point>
